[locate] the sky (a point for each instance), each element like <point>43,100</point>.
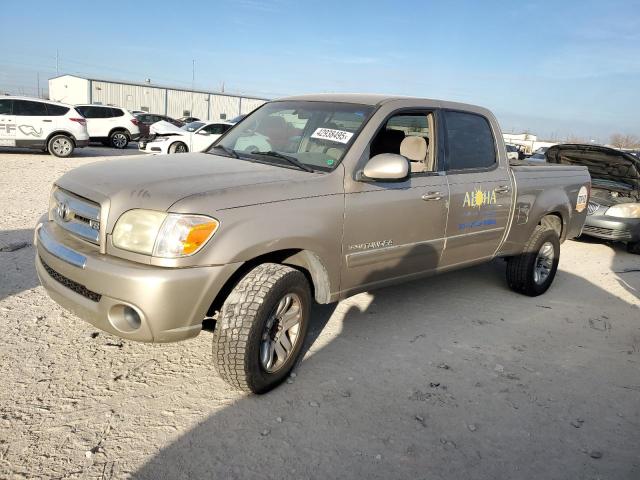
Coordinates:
<point>554,68</point>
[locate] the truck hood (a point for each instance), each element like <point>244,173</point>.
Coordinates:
<point>158,182</point>
<point>610,169</point>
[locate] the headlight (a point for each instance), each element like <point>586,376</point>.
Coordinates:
<point>624,210</point>
<point>168,235</point>
<point>53,203</point>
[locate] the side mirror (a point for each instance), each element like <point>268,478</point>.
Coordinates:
<point>203,132</point>
<point>386,166</point>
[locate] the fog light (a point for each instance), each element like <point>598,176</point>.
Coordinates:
<point>125,318</point>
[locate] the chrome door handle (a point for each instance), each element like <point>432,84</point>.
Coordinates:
<point>47,121</point>
<point>503,189</point>
<point>432,196</point>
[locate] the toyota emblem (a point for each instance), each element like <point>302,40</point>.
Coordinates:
<point>63,212</point>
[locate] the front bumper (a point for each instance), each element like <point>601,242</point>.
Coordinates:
<point>171,302</point>
<point>612,228</point>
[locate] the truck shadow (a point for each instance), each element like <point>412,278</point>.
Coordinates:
<point>388,388</point>
<point>17,271</point>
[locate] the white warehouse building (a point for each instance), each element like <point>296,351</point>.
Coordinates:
<point>174,102</point>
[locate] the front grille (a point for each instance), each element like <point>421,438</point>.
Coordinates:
<point>77,215</point>
<point>70,284</point>
<point>592,208</point>
<point>608,233</point>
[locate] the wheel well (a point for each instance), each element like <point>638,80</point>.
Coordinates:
<point>59,132</point>
<point>120,129</point>
<point>303,260</point>
<point>554,221</point>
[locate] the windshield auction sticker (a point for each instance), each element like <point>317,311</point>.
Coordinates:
<point>339,136</point>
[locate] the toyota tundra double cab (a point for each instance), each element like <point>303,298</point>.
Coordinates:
<point>309,198</point>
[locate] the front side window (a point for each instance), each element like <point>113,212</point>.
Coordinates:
<point>410,135</point>
<point>470,142</point>
<point>315,134</point>
<point>28,108</point>
<point>215,129</point>
<point>5,106</point>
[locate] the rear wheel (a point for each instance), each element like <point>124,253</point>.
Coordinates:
<point>119,139</point>
<point>60,146</point>
<point>533,271</point>
<point>261,328</point>
<point>178,147</point>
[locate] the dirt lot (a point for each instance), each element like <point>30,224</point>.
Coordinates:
<point>451,378</point>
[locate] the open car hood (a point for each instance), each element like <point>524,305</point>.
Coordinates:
<point>609,168</point>
<point>162,127</point>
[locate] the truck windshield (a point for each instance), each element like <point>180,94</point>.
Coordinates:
<point>314,134</point>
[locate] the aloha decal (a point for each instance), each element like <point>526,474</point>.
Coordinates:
<point>479,198</point>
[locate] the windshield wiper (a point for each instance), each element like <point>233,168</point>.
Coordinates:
<point>292,160</point>
<point>229,151</point>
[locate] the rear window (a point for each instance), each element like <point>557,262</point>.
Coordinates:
<point>470,142</point>
<point>56,110</point>
<point>28,108</point>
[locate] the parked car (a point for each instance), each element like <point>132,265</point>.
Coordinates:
<point>112,126</point>
<point>347,193</point>
<point>147,119</point>
<point>27,122</point>
<point>512,152</point>
<point>614,206</point>
<point>194,137</point>
<point>185,120</point>
<point>537,157</point>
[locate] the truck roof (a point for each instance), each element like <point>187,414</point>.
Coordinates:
<point>374,99</point>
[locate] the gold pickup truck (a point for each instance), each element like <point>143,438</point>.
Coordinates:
<point>309,198</point>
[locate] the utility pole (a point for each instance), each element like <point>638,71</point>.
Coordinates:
<point>193,83</point>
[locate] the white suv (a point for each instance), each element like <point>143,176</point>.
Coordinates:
<point>34,123</point>
<point>112,126</point>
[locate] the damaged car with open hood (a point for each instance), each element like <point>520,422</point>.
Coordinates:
<point>614,207</point>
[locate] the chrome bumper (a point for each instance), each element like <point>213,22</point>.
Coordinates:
<point>171,302</point>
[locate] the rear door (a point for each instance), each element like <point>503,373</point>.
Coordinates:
<point>479,186</point>
<point>7,123</point>
<point>33,123</point>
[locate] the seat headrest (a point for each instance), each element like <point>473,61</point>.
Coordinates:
<point>414,148</point>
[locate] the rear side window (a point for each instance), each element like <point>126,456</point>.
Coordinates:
<point>5,106</point>
<point>470,142</point>
<point>28,108</point>
<point>56,110</point>
<point>95,112</point>
<point>116,112</point>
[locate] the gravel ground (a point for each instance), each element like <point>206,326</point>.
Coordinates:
<point>455,377</point>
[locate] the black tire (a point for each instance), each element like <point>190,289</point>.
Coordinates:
<point>119,139</point>
<point>521,269</point>
<point>633,247</point>
<point>61,146</point>
<point>178,147</point>
<point>243,320</point>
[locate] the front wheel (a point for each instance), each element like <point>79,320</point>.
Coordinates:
<point>60,146</point>
<point>119,139</point>
<point>261,328</point>
<point>532,272</point>
<point>178,147</point>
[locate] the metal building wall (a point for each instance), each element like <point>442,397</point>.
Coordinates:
<point>224,106</point>
<point>250,104</point>
<point>131,97</point>
<point>69,89</point>
<point>179,102</point>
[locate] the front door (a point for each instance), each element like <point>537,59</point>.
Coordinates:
<point>395,230</point>
<point>7,123</point>
<point>480,189</point>
<point>33,123</point>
